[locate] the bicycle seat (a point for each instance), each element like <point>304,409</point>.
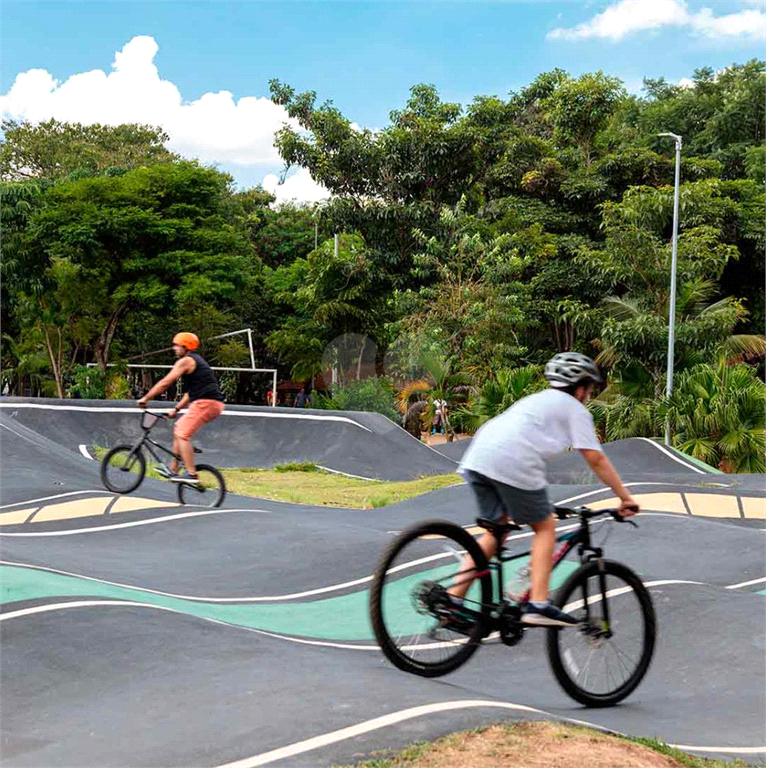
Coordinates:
<point>498,529</point>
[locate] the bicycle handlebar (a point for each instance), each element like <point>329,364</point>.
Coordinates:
<point>588,514</point>
<point>156,413</point>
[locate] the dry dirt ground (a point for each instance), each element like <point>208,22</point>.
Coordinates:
<point>531,745</point>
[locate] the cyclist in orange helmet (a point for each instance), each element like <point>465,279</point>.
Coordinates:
<point>201,393</point>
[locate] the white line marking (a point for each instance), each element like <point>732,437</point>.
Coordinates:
<point>747,583</point>
<point>51,607</point>
<point>381,722</point>
<point>135,523</point>
<point>84,451</point>
<point>428,709</point>
<point>347,474</point>
<point>48,498</point>
<point>249,414</point>
<point>724,750</point>
<point>18,434</point>
<point>193,598</point>
<point>674,457</point>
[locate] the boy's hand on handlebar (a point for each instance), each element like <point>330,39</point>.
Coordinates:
<point>628,507</point>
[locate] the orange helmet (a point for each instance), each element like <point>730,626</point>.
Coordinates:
<point>188,340</point>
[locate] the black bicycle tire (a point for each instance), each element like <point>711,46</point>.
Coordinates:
<point>139,475</point>
<point>630,578</point>
<point>189,490</point>
<point>389,648</point>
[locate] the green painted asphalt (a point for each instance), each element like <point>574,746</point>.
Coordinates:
<point>337,618</point>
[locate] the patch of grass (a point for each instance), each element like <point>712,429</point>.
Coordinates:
<point>320,488</point>
<point>296,466</point>
<point>693,761</point>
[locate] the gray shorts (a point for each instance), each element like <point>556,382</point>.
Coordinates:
<point>497,499</point>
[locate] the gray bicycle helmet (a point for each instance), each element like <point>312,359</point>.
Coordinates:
<point>568,368</point>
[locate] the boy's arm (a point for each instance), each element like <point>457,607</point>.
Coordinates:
<point>602,467</point>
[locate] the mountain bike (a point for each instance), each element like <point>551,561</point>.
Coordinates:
<point>598,662</point>
<point>123,468</point>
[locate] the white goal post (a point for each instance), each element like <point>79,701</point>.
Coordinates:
<point>251,369</point>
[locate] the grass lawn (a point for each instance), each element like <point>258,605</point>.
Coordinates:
<point>306,484</point>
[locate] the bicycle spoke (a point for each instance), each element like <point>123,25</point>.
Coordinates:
<point>418,626</point>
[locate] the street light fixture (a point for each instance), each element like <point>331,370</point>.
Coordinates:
<point>674,262</point>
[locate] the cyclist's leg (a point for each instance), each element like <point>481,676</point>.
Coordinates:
<point>200,412</point>
<point>490,506</point>
<point>541,563</point>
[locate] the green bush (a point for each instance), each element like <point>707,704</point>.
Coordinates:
<point>374,395</point>
<point>88,382</point>
<point>296,466</point>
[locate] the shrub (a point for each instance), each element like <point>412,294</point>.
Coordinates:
<point>374,395</point>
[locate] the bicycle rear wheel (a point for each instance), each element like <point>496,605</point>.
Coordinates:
<point>415,625</point>
<point>601,662</point>
<point>210,492</point>
<point>123,468</point>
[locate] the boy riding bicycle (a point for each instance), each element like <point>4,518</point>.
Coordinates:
<point>505,467</point>
<point>202,395</point>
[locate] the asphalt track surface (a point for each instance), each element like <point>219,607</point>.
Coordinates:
<point>179,636</point>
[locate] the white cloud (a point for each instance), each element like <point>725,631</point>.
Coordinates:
<point>216,128</point>
<point>629,16</point>
<point>299,187</point>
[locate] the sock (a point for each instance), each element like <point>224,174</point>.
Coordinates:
<point>455,600</point>
<point>538,604</point>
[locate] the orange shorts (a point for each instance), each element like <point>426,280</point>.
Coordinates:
<point>199,413</point>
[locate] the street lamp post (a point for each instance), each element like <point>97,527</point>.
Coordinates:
<point>674,262</point>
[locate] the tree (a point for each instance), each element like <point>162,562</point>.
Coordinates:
<point>154,238</point>
<point>635,264</point>
<point>580,109</point>
<point>53,150</point>
<point>470,300</point>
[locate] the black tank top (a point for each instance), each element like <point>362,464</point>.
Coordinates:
<point>201,383</point>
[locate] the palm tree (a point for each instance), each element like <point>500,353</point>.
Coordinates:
<point>443,381</point>
<point>497,394</point>
<point>716,414</point>
<point>635,334</point>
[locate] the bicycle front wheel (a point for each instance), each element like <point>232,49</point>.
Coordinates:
<point>210,492</point>
<point>601,661</point>
<point>123,468</point>
<point>415,625</point>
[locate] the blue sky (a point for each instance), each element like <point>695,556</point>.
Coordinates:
<point>364,56</point>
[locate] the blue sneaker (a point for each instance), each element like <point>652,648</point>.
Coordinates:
<point>546,616</point>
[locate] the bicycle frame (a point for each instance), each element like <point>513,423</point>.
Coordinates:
<point>580,539</point>
<point>146,439</point>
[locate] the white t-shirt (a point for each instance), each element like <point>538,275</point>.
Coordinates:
<point>513,447</point>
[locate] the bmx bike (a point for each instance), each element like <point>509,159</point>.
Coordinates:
<point>123,468</point>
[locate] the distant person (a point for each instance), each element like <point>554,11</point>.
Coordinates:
<point>505,467</point>
<point>270,397</point>
<point>202,395</point>
<point>440,412</point>
<point>303,400</point>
